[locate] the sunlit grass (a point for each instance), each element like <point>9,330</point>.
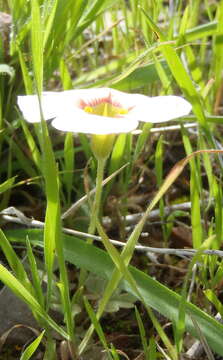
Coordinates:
<point>151,47</point>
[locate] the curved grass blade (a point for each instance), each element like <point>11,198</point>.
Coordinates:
<point>13,260</point>
<point>32,348</point>
<point>181,76</point>
<point>19,290</point>
<point>96,324</point>
<point>7,184</point>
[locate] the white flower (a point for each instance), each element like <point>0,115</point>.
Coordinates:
<point>29,106</point>
<point>102,110</point>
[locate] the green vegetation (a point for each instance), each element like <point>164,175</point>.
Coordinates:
<point>170,298</point>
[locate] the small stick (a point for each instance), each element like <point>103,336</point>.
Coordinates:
<point>12,214</point>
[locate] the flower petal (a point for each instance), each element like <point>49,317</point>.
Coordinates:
<point>67,107</point>
<point>29,105</point>
<point>82,122</point>
<point>159,108</point>
<point>143,108</point>
<point>94,96</point>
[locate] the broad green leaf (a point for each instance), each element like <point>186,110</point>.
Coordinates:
<point>132,67</point>
<point>139,77</point>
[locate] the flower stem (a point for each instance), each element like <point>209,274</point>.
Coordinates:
<point>97,199</point>
<point>94,211</point>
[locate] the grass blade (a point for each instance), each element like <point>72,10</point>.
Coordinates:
<point>32,347</point>
<point>13,260</point>
<point>96,324</point>
<point>19,290</point>
<point>142,334</point>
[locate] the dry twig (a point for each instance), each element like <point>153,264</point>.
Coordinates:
<point>12,214</point>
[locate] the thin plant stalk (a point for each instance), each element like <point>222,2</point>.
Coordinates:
<point>95,209</point>
<point>97,199</point>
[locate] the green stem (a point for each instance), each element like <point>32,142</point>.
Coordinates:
<point>97,199</point>
<point>94,211</point>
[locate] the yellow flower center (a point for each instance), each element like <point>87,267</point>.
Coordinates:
<point>105,109</point>
<point>102,144</point>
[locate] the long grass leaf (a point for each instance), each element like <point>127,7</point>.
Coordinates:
<point>19,290</point>
<point>6,185</point>
<point>29,351</point>
<point>13,260</point>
